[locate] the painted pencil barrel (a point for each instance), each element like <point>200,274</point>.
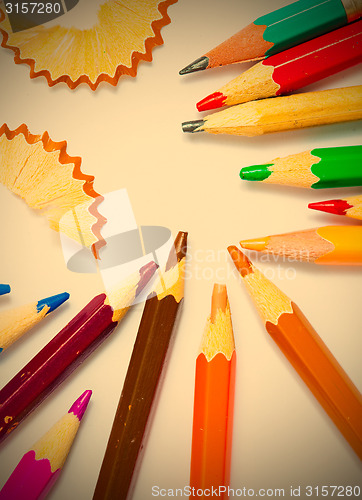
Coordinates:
<point>338,167</point>
<point>347,242</point>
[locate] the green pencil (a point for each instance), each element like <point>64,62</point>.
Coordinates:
<point>317,169</point>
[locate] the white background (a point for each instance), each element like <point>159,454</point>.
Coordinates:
<point>130,137</point>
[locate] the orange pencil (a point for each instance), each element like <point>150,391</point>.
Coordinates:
<point>214,401</point>
<point>334,245</point>
<point>306,351</point>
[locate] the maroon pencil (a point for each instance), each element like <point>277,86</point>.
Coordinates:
<point>70,347</point>
<point>142,378</point>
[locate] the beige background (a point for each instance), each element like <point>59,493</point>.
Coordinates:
<point>130,136</point>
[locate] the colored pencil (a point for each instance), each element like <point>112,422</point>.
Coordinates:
<point>15,322</point>
<point>144,372</point>
<point>335,245</point>
<point>283,113</point>
<point>68,349</point>
<point>40,467</point>
<point>306,351</point>
<point>351,207</point>
<point>292,69</point>
<point>4,289</point>
<point>317,169</point>
<point>214,400</point>
<point>279,30</point>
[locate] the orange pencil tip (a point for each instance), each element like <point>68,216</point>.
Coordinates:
<point>241,261</point>
<point>219,300</point>
<point>258,244</point>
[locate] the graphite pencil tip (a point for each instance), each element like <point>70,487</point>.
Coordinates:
<point>198,65</point>
<point>212,101</point>
<point>337,207</point>
<point>80,405</point>
<point>193,126</point>
<point>52,302</point>
<point>241,261</point>
<point>4,289</point>
<point>219,300</point>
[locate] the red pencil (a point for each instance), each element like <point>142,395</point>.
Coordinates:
<point>292,69</point>
<point>350,207</point>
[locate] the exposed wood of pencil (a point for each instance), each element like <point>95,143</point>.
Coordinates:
<point>142,379</point>
<point>323,245</point>
<point>284,113</point>
<point>350,207</point>
<point>214,399</point>
<point>306,351</point>
<point>69,348</point>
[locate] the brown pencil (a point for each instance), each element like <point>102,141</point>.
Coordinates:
<point>143,375</point>
<point>306,351</point>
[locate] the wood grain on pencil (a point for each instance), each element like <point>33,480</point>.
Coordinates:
<point>277,114</point>
<point>306,351</point>
<point>122,456</point>
<point>214,399</point>
<point>292,69</point>
<point>335,245</point>
<point>67,350</point>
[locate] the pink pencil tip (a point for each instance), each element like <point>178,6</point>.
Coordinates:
<point>146,273</point>
<point>80,405</point>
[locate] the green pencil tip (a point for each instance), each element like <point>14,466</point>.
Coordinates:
<point>256,172</point>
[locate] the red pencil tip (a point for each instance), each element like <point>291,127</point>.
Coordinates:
<point>146,273</point>
<point>80,405</point>
<point>337,207</point>
<point>212,101</point>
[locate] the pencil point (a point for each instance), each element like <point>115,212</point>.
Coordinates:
<point>256,172</point>
<point>258,244</point>
<point>52,302</point>
<point>198,65</point>
<point>4,289</point>
<point>219,300</point>
<point>241,261</point>
<point>178,251</point>
<point>212,101</point>
<point>337,207</point>
<point>193,125</point>
<point>80,405</point>
<point>146,273</point>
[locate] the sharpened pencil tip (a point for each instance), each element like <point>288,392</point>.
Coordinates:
<point>52,302</point>
<point>256,172</point>
<point>241,261</point>
<point>212,101</point>
<point>178,251</point>
<point>80,405</point>
<point>336,207</point>
<point>219,300</point>
<point>4,289</point>
<point>198,65</point>
<point>146,273</point>
<point>193,125</point>
<point>258,244</point>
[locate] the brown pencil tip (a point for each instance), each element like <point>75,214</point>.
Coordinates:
<point>146,273</point>
<point>178,250</point>
<point>241,261</point>
<point>219,300</point>
<point>198,65</point>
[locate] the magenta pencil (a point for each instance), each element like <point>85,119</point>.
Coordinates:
<point>40,467</point>
<point>67,350</point>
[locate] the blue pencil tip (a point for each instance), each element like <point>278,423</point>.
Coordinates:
<point>4,289</point>
<point>53,302</point>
